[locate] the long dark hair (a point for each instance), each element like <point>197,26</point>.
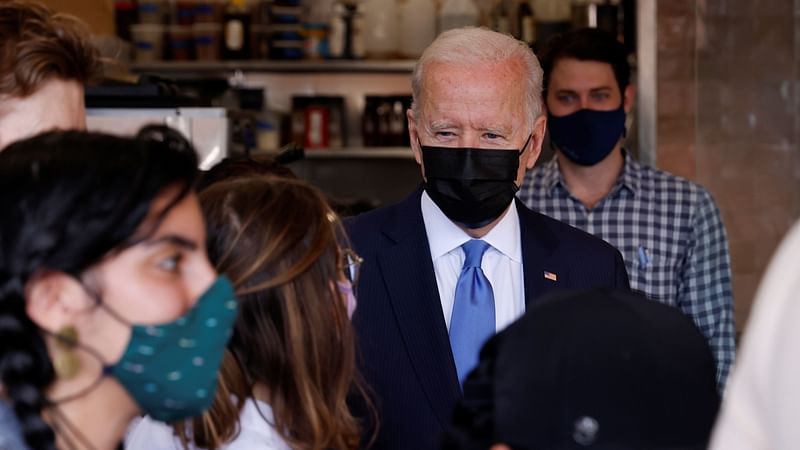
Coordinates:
<point>68,199</point>
<point>280,243</point>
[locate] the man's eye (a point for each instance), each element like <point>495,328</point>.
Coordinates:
<point>492,136</point>
<point>445,134</point>
<point>565,98</point>
<point>171,263</point>
<point>600,96</point>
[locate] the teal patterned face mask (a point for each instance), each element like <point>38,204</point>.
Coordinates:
<point>171,369</point>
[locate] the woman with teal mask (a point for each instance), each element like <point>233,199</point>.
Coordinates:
<point>109,307</point>
<point>292,355</point>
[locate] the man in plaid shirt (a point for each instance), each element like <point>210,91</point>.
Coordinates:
<point>668,229</point>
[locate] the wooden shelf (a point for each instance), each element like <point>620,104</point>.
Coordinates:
<point>401,66</point>
<point>358,153</point>
<point>361,153</point>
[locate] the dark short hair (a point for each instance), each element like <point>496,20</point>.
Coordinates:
<point>587,44</point>
<point>38,45</point>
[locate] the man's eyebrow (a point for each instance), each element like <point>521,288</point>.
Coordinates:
<point>497,129</point>
<point>573,91</point>
<point>171,239</point>
<point>440,125</point>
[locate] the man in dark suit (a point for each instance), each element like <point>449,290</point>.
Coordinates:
<point>461,258</point>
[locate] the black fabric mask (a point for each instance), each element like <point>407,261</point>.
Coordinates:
<point>472,186</point>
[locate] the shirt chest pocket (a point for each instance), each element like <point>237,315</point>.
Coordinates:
<point>654,272</point>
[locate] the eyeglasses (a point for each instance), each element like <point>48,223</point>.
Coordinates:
<point>351,264</point>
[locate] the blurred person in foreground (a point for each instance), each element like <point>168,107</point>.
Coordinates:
<point>104,283</point>
<point>762,403</point>
<point>46,58</point>
<point>598,369</point>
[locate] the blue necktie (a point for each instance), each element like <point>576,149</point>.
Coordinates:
<point>472,322</point>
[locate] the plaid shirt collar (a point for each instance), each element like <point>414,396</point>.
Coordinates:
<point>630,178</point>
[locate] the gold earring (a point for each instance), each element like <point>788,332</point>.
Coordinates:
<point>66,362</point>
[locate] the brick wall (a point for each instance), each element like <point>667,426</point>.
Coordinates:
<point>728,119</point>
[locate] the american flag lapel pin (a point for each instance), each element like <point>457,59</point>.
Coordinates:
<point>550,276</point>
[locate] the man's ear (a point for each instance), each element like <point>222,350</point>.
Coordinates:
<point>628,96</point>
<point>54,299</point>
<point>537,137</point>
<point>413,134</point>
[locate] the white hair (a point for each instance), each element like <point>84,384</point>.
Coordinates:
<point>470,46</point>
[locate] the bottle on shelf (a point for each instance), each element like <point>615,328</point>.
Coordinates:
<point>346,35</point>
<point>381,28</point>
<point>267,130</point>
<point>236,31</point>
<point>552,17</point>
<point>125,15</point>
<point>337,32</point>
<point>417,27</point>
<point>383,111</point>
<point>458,13</point>
<point>608,17</point>
<point>316,28</point>
<point>267,127</point>
<point>526,23</point>
<point>355,45</point>
<point>397,124</point>
<point>369,123</point>
<point>243,105</point>
<point>501,22</point>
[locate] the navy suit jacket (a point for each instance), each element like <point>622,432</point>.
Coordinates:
<point>405,354</point>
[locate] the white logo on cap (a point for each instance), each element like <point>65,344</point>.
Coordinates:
<point>586,429</point>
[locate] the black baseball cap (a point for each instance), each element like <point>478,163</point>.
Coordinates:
<point>599,369</point>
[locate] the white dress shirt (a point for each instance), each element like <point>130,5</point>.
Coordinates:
<point>502,262</point>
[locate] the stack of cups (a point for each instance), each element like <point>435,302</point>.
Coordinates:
<point>148,34</point>
<point>181,36</point>
<point>207,28</point>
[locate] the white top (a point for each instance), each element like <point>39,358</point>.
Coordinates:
<point>256,432</point>
<point>762,402</point>
<point>502,262</point>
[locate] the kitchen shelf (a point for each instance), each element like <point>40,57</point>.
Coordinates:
<point>394,66</point>
<point>360,153</point>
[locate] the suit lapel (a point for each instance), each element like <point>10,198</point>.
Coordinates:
<point>542,270</point>
<point>408,272</point>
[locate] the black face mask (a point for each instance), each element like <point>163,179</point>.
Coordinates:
<point>472,186</point>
